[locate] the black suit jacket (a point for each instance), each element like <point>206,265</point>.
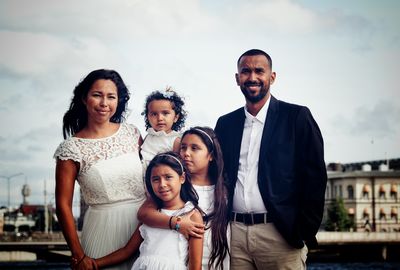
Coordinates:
<point>291,171</point>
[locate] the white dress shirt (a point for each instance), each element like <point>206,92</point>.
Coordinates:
<point>247,197</point>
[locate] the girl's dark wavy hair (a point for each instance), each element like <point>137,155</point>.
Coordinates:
<point>75,119</point>
<point>219,218</point>
<point>176,102</point>
<point>188,193</point>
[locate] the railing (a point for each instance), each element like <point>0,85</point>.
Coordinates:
<point>357,237</point>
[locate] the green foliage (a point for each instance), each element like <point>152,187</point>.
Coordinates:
<point>338,220</point>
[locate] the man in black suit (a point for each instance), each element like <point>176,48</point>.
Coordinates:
<point>274,160</point>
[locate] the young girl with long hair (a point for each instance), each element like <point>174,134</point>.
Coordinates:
<point>168,183</point>
<point>202,154</point>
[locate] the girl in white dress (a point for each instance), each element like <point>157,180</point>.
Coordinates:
<point>164,117</point>
<point>202,154</point>
<point>169,186</point>
<point>102,154</point>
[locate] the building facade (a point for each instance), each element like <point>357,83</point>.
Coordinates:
<point>370,197</point>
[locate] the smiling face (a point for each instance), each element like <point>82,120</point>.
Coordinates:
<point>255,77</point>
<point>161,115</point>
<point>167,184</point>
<point>101,101</point>
<point>195,154</point>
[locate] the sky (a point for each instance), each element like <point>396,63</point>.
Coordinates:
<point>339,58</point>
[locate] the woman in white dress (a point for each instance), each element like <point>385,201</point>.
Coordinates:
<point>102,154</point>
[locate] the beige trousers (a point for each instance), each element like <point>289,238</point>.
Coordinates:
<point>261,246</point>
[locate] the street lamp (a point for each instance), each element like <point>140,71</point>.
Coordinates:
<point>8,184</point>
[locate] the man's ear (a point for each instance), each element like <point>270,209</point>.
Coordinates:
<point>272,78</point>
<point>237,79</point>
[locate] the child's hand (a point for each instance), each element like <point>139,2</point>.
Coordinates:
<point>87,264</point>
<point>190,228</point>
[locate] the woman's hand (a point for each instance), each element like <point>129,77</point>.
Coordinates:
<point>188,227</point>
<point>87,263</point>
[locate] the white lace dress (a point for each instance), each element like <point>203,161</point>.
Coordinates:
<point>157,142</point>
<point>111,182</point>
<point>206,203</point>
<point>163,249</point>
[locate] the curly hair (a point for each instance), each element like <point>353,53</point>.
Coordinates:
<point>76,117</point>
<point>176,102</point>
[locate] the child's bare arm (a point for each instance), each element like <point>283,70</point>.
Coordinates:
<point>177,145</point>
<point>122,254</point>
<point>195,246</point>
<point>149,215</point>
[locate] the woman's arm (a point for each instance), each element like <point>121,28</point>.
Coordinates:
<point>195,246</point>
<point>123,253</point>
<point>66,172</point>
<point>149,215</point>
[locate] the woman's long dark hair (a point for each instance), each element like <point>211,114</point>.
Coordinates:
<point>174,161</point>
<point>75,119</point>
<point>219,218</point>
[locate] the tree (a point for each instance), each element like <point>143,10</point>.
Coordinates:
<point>338,220</point>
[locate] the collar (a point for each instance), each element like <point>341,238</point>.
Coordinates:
<point>162,132</point>
<point>261,115</point>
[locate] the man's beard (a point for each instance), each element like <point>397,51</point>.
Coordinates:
<point>254,99</point>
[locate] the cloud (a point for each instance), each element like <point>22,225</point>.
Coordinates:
<point>34,54</point>
<point>117,19</point>
<point>380,121</point>
<point>31,154</point>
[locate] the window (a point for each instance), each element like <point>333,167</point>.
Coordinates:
<point>393,192</point>
<point>382,193</point>
<point>365,213</point>
<point>350,192</point>
<point>366,191</point>
<point>382,214</point>
<point>340,191</point>
<point>393,213</point>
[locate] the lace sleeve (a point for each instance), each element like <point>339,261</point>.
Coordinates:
<point>134,131</point>
<point>68,150</point>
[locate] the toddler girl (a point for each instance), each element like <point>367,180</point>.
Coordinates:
<point>164,117</point>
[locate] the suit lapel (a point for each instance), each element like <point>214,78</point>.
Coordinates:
<point>237,134</point>
<point>268,130</point>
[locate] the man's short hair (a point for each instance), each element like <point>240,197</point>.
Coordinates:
<point>253,52</point>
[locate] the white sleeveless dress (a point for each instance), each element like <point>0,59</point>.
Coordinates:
<point>163,249</point>
<point>111,182</point>
<point>157,142</point>
<point>206,203</point>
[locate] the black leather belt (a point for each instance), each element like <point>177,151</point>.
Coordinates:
<point>250,218</point>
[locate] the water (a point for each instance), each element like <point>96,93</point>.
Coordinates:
<point>310,266</point>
